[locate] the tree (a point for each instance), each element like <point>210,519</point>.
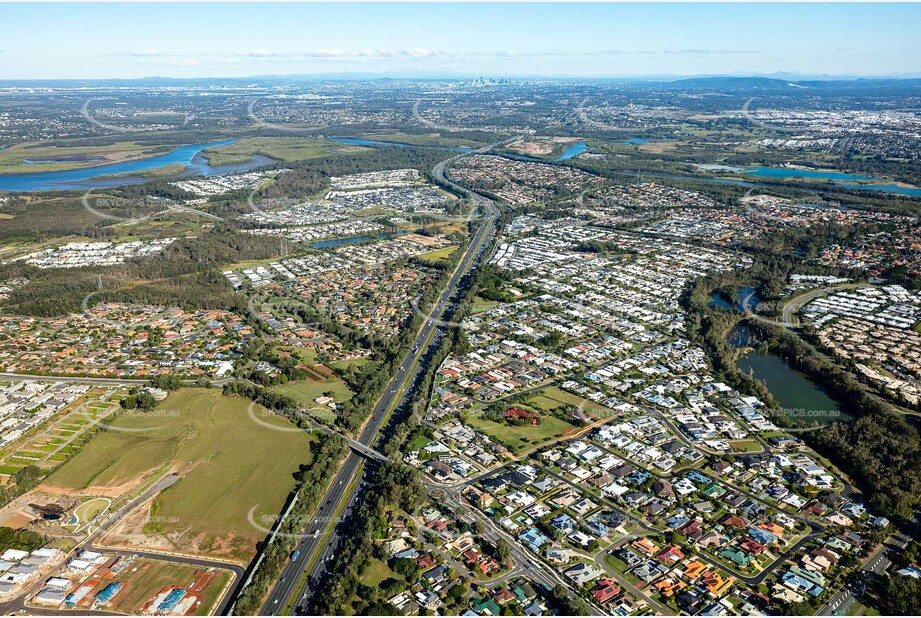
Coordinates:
<point>901,596</point>
<point>503,552</point>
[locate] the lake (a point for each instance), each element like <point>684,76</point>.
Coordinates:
<point>800,397</point>
<point>572,151</point>
<point>356,141</point>
<point>89,177</point>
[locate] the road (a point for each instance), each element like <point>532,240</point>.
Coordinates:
<point>842,601</point>
<point>525,563</point>
<point>27,377</point>
<point>323,536</point>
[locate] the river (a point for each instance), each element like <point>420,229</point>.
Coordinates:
<point>571,151</point>
<point>99,176</point>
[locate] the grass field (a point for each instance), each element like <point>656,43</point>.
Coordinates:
<point>437,257</point>
<point>481,304</point>
<point>53,158</point>
<point>377,572</point>
<point>306,391</point>
<point>228,461</point>
<point>287,149</point>
<point>552,397</point>
<point>519,437</point>
<point>423,139</point>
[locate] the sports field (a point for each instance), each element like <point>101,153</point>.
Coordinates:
<point>229,461</point>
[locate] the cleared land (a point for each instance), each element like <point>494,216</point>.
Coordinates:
<point>518,437</point>
<point>437,257</point>
<point>229,462</point>
<point>552,397</point>
<point>142,579</point>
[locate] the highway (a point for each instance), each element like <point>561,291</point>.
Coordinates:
<point>322,538</point>
<point>841,602</point>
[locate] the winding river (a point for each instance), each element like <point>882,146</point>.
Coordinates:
<point>100,176</point>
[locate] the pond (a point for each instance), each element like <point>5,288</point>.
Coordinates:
<point>572,151</point>
<point>799,397</point>
<point>747,297</point>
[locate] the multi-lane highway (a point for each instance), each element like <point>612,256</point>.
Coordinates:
<point>841,603</point>
<point>321,540</point>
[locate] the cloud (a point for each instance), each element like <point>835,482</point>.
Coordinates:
<point>409,54</point>
<point>712,52</point>
<point>671,52</point>
<point>417,52</point>
<point>174,62</point>
<point>148,53</point>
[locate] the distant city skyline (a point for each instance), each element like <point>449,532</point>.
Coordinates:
<point>105,41</point>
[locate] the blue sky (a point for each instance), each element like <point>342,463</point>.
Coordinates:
<point>202,40</point>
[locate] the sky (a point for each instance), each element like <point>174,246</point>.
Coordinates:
<point>110,40</point>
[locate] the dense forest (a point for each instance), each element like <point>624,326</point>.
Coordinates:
<point>185,274</point>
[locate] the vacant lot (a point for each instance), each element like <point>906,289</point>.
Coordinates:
<point>520,437</point>
<point>437,257</point>
<point>549,398</point>
<point>229,461</point>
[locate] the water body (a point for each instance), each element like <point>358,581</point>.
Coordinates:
<point>89,178</point>
<point>341,242</point>
<point>572,151</point>
<point>787,172</point>
<point>719,181</point>
<point>797,394</point>
<point>636,141</point>
<point>721,301</point>
<point>890,187</point>
<point>355,141</point>
<point>843,179</point>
